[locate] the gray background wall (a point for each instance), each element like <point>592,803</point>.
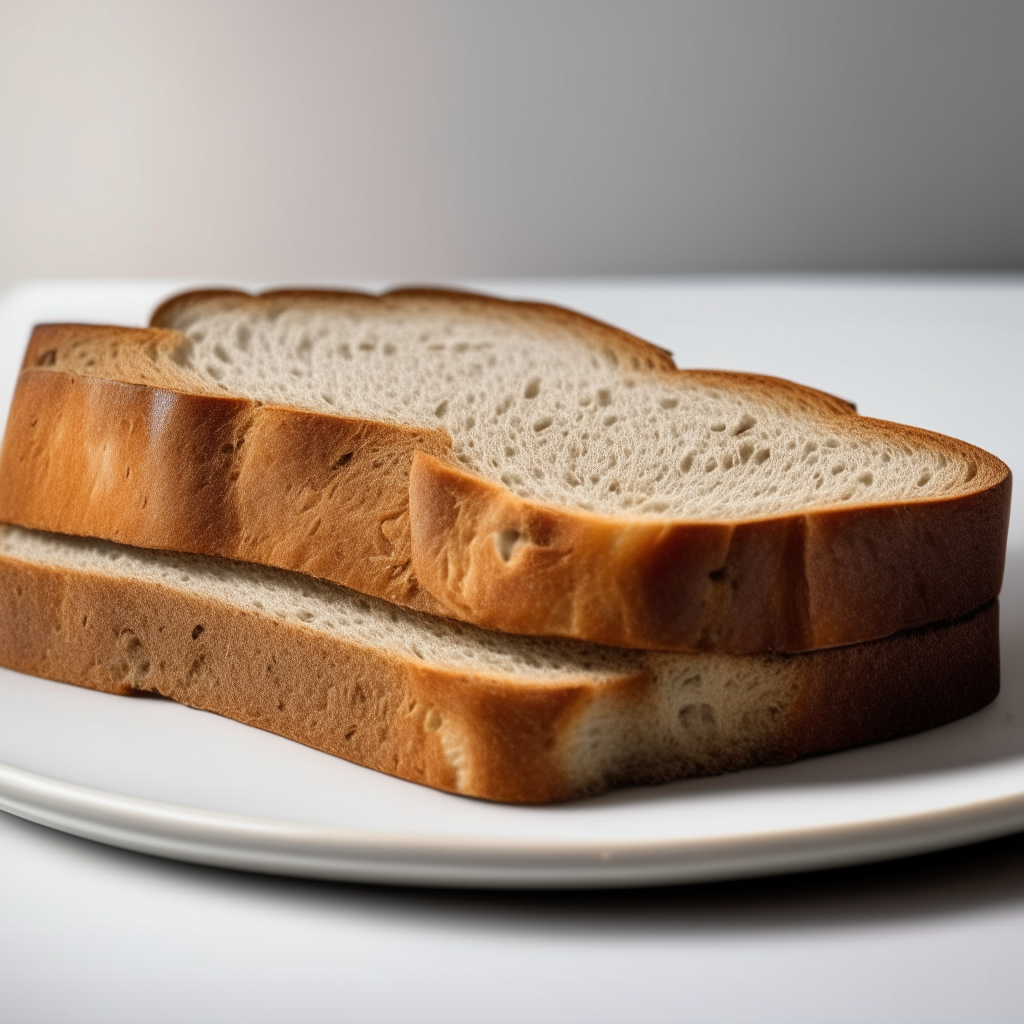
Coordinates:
<point>430,140</point>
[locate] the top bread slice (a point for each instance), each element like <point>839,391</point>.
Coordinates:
<point>514,465</point>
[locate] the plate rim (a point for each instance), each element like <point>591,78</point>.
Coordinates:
<point>330,852</point>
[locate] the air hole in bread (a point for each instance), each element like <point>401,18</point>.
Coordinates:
<point>696,716</point>
<point>746,423</point>
<point>506,541</point>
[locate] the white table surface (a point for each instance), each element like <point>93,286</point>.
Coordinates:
<point>93,933</point>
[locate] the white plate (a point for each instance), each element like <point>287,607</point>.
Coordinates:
<point>150,775</point>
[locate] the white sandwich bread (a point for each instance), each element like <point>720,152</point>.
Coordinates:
<point>449,705</point>
<point>511,465</point>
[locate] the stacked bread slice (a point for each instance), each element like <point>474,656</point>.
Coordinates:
<point>498,548</point>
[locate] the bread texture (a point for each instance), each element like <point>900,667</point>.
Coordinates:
<point>512,465</point>
<point>449,705</point>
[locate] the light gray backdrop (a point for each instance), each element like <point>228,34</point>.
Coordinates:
<point>392,139</point>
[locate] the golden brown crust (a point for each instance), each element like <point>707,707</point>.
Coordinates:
<point>376,708</point>
<point>799,582</point>
<point>595,332</point>
<point>214,474</point>
<point>915,680</point>
<point>496,737</point>
<point>158,466</point>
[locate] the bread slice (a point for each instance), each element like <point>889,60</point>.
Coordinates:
<point>450,705</point>
<point>513,465</point>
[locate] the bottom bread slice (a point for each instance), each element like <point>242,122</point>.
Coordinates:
<point>452,706</point>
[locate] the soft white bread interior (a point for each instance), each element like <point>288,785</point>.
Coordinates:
<point>557,410</point>
<point>512,465</point>
<point>450,705</point>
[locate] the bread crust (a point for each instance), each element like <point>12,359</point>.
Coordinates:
<point>801,582</point>
<point>214,474</point>
<point>145,460</point>
<point>485,735</point>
